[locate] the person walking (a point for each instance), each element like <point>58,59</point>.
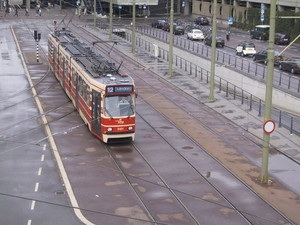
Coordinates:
<point>16,12</point>
<point>26,12</point>
<point>37,7</point>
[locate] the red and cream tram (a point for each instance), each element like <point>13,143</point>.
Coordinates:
<point>104,98</point>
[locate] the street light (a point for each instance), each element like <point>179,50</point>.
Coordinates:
<point>37,38</point>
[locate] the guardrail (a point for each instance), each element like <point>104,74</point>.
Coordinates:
<point>251,68</point>
<point>282,118</point>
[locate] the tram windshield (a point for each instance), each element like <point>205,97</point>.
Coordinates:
<point>121,105</point>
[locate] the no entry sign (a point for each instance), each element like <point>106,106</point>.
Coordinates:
<point>269,126</point>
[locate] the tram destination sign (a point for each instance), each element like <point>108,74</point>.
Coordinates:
<point>119,89</point>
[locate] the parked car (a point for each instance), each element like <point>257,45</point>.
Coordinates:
<point>158,23</point>
<point>219,40</point>
<point>245,48</point>
<point>260,32</point>
<point>262,57</point>
<point>201,20</point>
<point>290,64</point>
<point>282,39</point>
<point>177,29</point>
<point>166,26</point>
<point>195,34</point>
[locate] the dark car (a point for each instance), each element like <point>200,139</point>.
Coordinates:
<point>260,32</point>
<point>281,39</point>
<point>262,56</point>
<point>219,40</point>
<point>158,23</point>
<point>177,29</point>
<point>290,64</point>
<point>201,20</point>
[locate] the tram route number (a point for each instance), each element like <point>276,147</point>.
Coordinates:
<point>118,89</point>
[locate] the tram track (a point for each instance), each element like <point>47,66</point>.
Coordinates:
<point>115,56</point>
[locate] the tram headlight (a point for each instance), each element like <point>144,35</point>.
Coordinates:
<point>130,128</point>
<point>109,129</point>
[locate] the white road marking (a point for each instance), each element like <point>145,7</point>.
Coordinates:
<point>32,205</point>
<point>29,222</point>
<point>43,157</point>
<point>40,171</point>
<point>36,187</point>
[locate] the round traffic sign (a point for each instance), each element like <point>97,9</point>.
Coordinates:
<point>269,126</point>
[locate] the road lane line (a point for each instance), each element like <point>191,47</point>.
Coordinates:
<point>40,171</point>
<point>48,132</point>
<point>32,205</point>
<point>29,222</point>
<point>36,187</point>
<point>42,158</point>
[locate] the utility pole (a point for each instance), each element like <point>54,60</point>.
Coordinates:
<point>133,27</point>
<point>95,13</point>
<point>110,19</point>
<point>211,96</point>
<point>170,72</point>
<point>264,177</point>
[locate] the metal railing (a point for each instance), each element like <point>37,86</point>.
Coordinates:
<point>244,65</point>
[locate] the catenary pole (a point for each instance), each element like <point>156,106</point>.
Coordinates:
<point>95,13</point>
<point>133,27</point>
<point>211,96</point>
<point>110,18</point>
<point>170,71</point>
<point>264,177</point>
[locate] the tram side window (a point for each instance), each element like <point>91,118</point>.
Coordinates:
<point>80,86</point>
<point>61,62</point>
<point>74,77</point>
<point>50,47</point>
<point>84,90</point>
<point>54,53</point>
<point>87,95</point>
<point>66,68</point>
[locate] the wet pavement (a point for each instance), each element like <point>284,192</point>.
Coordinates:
<point>280,166</point>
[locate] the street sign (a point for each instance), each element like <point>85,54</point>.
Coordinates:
<point>262,17</point>
<point>262,9</point>
<point>269,126</point>
<point>230,20</point>
<point>120,7</point>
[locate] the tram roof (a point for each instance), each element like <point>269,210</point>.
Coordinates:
<point>94,64</point>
